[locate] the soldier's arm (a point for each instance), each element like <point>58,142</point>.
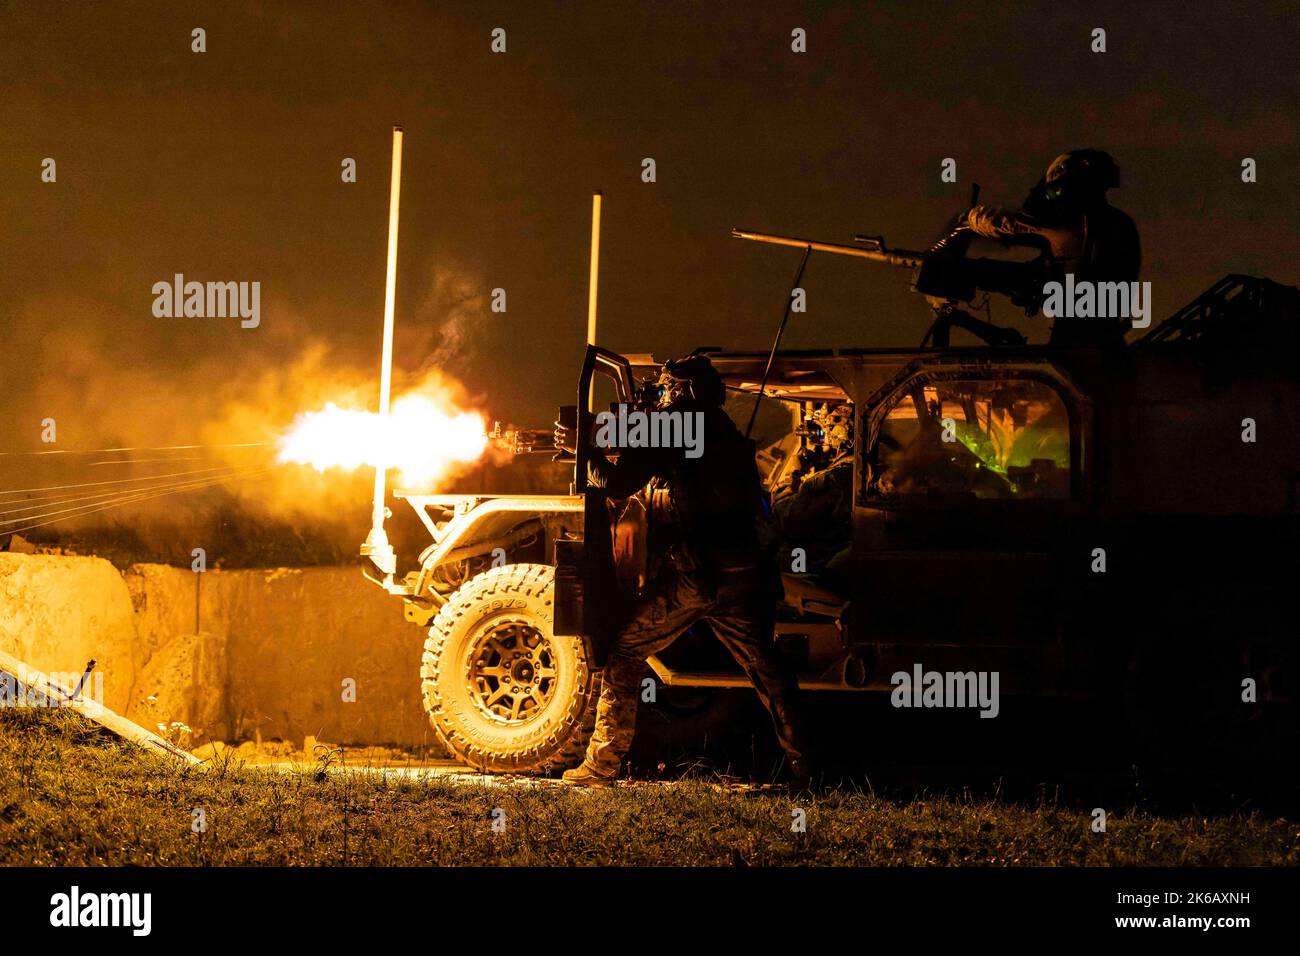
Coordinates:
<point>1059,240</point>
<point>995,223</point>
<point>623,478</point>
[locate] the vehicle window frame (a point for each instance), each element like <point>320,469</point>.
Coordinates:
<point>921,375</point>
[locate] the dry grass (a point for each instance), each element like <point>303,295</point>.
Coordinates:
<point>69,795</point>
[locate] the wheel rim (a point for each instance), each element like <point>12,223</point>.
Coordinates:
<point>512,672</point>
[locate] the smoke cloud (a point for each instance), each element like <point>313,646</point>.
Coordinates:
<point>232,393</point>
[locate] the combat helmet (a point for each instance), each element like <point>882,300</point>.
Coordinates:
<point>1081,172</point>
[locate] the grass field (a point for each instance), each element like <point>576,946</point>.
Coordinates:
<point>71,795</point>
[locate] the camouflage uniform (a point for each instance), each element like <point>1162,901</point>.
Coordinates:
<point>738,609</point>
<point>713,568</point>
<point>819,516</point>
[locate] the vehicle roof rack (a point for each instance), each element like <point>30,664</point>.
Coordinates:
<point>1236,310</point>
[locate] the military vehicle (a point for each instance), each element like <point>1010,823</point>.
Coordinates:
<point>1117,525</point>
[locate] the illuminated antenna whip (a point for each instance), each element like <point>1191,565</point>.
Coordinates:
<point>377,547</point>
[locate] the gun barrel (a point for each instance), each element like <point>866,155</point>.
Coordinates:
<point>522,441</point>
<point>903,258</point>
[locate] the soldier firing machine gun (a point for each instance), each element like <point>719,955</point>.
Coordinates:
<point>945,276</point>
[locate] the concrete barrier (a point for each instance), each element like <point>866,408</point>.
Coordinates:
<point>285,653</point>
<point>57,613</point>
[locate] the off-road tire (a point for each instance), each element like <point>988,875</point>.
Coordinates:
<point>556,736</point>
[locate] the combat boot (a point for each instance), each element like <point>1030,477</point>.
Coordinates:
<point>802,777</point>
<point>585,775</point>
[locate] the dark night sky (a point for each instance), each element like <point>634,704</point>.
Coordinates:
<point>225,165</point>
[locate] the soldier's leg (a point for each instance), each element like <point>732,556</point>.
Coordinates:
<point>661,615</point>
<point>746,629</point>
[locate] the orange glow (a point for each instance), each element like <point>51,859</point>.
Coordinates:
<point>424,438</point>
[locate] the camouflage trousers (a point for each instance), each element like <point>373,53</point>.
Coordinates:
<point>740,613</point>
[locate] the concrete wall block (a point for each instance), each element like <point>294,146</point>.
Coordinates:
<point>58,612</point>
<point>271,655</point>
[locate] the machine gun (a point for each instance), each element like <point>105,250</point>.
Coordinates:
<point>523,441</point>
<point>945,276</point>
<point>520,440</point>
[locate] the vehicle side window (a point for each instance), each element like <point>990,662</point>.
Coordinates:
<point>976,438</point>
